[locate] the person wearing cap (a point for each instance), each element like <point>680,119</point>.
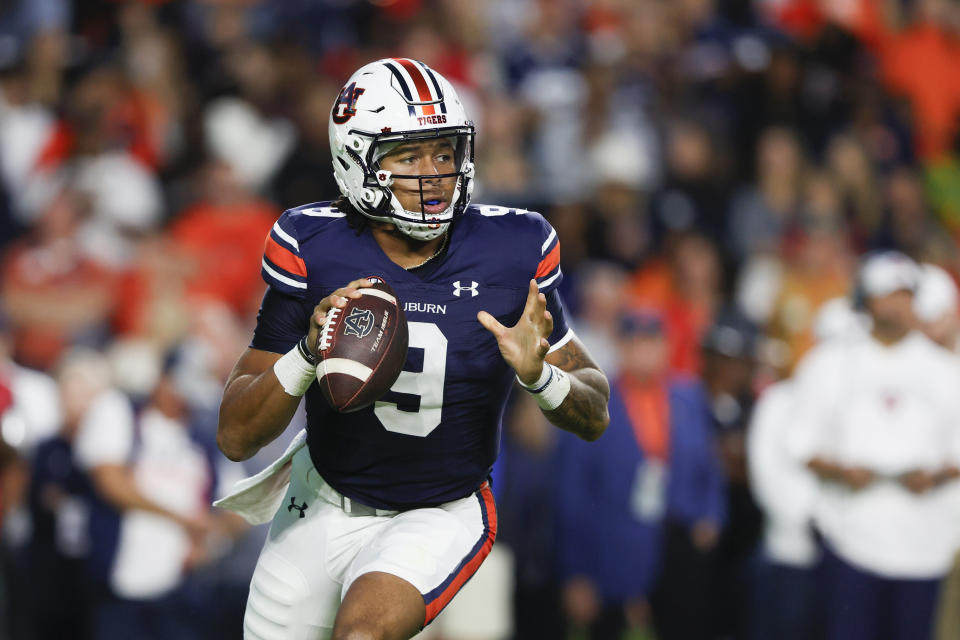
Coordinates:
<point>729,354</point>
<point>875,418</point>
<point>651,487</point>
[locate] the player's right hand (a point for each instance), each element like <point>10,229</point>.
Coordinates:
<point>336,299</point>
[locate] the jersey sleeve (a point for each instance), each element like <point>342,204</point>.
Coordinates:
<point>282,266</point>
<point>561,329</point>
<point>281,322</point>
<point>548,272</point>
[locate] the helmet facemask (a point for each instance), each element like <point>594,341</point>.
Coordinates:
<point>378,200</point>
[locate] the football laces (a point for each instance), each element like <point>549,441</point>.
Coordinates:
<point>329,327</point>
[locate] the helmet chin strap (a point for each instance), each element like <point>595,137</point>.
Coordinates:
<point>419,230</point>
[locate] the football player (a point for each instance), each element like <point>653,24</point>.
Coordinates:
<point>388,510</point>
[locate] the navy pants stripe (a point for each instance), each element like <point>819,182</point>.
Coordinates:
<point>865,606</point>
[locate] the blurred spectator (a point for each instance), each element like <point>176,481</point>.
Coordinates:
<point>694,196</point>
<point>29,406</point>
<point>685,284</point>
<point>305,175</point>
<point>154,481</point>
<point>59,600</point>
<point>25,125</point>
<point>730,354</point>
<point>54,293</point>
<point>206,255</point>
<point>527,516</point>
<point>760,215</point>
<point>908,225</point>
<point>861,198</point>
<point>875,419</point>
<point>655,482</point>
<point>918,62</point>
<point>817,267</point>
<point>99,149</point>
<point>600,289</point>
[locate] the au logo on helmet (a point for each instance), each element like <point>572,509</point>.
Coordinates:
<point>346,105</point>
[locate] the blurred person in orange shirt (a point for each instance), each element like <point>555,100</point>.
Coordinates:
<point>53,292</point>
<point>685,285</point>
<point>206,254</point>
<point>818,267</point>
<point>917,61</point>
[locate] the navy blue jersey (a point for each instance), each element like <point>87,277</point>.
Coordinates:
<point>435,435</point>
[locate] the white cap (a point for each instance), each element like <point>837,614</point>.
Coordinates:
<point>936,295</point>
<point>887,272</point>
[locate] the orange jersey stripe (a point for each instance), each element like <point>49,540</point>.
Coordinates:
<point>549,262</point>
<point>435,607</point>
<point>421,83</point>
<point>284,258</point>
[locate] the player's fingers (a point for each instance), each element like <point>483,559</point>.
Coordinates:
<point>360,283</point>
<point>539,306</point>
<point>547,324</point>
<point>532,293</point>
<point>542,347</point>
<point>490,323</point>
<point>348,291</point>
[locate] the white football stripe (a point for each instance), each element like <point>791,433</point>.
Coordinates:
<point>289,239</point>
<point>567,337</point>
<point>343,365</point>
<point>323,212</point>
<point>281,277</point>
<point>546,243</point>
<point>377,293</point>
<point>547,282</point>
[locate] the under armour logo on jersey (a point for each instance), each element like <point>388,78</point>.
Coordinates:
<point>458,289</point>
<point>299,507</point>
<point>358,323</point>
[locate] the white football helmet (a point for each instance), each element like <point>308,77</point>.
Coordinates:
<point>384,103</point>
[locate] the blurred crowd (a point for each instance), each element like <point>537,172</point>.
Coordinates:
<point>716,171</point>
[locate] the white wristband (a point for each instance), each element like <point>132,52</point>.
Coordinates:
<point>294,372</point>
<point>551,387</point>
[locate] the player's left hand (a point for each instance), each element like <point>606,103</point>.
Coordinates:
<point>524,345</point>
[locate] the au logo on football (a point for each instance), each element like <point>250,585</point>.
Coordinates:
<point>358,323</point>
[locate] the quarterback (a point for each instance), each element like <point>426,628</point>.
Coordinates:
<point>379,516</point>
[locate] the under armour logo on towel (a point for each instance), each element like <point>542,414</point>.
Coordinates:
<point>457,289</point>
<point>299,507</point>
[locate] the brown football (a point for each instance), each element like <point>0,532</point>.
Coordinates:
<point>362,348</point>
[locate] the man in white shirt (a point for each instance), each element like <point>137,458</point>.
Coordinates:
<point>150,470</point>
<point>876,419</point>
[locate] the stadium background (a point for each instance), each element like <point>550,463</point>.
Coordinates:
<point>722,162</point>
